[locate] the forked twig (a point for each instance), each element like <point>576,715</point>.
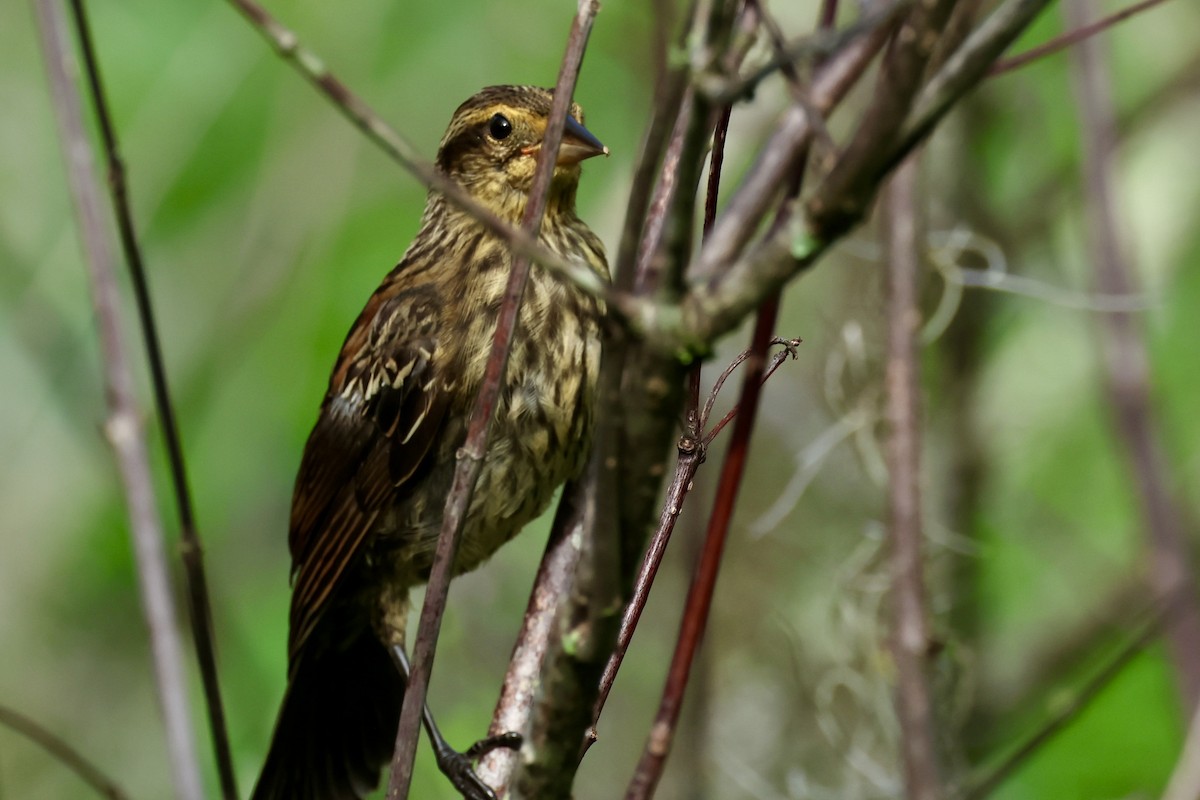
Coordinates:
<point>700,593</point>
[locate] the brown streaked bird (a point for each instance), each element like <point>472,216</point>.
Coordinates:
<point>378,465</point>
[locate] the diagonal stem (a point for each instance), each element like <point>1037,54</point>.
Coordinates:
<point>471,455</point>
<point>700,593</point>
<point>88,772</point>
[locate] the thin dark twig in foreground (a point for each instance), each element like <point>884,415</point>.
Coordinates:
<point>788,351</point>
<point>1060,43</point>
<point>691,454</point>
<point>63,752</point>
<point>471,455</point>
<point>700,593</point>
<point>690,458</point>
<point>123,427</point>
<point>199,607</point>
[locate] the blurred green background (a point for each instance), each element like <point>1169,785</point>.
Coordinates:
<point>267,220</point>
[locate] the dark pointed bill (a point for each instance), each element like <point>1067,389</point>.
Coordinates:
<point>578,143</point>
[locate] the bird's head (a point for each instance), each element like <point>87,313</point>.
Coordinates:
<point>492,144</point>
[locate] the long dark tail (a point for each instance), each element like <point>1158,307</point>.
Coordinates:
<point>337,726</point>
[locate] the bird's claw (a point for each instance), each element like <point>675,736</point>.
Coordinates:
<point>460,769</point>
<point>507,740</point>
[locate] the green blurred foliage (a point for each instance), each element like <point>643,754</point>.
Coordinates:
<point>267,220</point>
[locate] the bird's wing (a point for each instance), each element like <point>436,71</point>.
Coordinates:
<point>383,411</point>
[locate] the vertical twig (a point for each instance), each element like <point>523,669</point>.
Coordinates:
<point>583,628</point>
<point>470,459</point>
<point>1126,365</point>
<point>199,607</point>
<point>700,593</point>
<point>910,627</point>
<point>689,461</point>
<point>123,428</point>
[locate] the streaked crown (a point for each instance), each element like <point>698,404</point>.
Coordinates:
<point>493,139</point>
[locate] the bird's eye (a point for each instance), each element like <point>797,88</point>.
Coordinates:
<point>499,127</point>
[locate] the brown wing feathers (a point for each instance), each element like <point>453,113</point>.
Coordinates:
<point>373,433</point>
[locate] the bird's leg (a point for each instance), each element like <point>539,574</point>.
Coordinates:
<point>456,766</point>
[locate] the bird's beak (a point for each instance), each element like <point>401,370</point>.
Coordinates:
<point>577,144</point>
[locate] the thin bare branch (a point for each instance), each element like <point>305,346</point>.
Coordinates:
<point>681,151</point>
<point>63,752</point>
<point>780,156</point>
<point>804,51</point>
<point>1127,367</point>
<point>123,428</point>
<point>584,626</point>
<point>1060,43</point>
<point>199,607</point>
<point>796,84</point>
<point>471,455</point>
<point>728,287</point>
<point>788,351</point>
<point>686,466</point>
<point>551,592</point>
<point>910,628</point>
<point>964,69</point>
<point>700,593</point>
<point>843,194</point>
<point>691,456</point>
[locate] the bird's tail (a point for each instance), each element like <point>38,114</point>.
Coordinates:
<point>337,726</point>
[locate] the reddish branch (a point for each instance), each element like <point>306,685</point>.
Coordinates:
<point>1127,369</point>
<point>700,593</point>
